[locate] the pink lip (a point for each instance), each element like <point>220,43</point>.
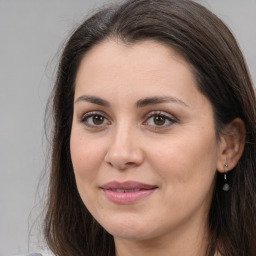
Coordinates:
<point>127,192</point>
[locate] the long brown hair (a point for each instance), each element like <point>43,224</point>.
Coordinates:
<point>222,76</point>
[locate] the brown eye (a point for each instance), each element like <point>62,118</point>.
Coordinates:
<point>98,120</point>
<point>159,120</point>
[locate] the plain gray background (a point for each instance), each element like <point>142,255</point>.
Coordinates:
<point>32,33</point>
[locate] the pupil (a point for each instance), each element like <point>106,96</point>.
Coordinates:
<point>98,119</point>
<point>159,120</point>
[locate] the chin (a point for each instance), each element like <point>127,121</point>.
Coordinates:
<point>129,228</point>
<point>131,234</point>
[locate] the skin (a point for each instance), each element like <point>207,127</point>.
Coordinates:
<point>179,155</point>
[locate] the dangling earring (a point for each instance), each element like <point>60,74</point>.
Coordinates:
<point>226,186</point>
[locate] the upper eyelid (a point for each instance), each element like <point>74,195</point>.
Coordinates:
<point>95,112</point>
<point>95,127</point>
<point>160,112</point>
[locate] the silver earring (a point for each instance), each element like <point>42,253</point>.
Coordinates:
<point>226,186</point>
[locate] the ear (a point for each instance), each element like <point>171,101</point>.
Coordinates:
<point>231,145</point>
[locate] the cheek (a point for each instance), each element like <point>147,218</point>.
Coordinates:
<point>186,161</point>
<point>86,156</point>
<point>187,174</point>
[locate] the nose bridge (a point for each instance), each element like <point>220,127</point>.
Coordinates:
<point>122,136</point>
<point>124,149</point>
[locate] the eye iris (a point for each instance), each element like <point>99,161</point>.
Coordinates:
<point>159,120</point>
<point>97,119</point>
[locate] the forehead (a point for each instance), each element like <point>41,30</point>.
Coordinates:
<point>114,50</point>
<point>117,58</point>
<point>141,69</point>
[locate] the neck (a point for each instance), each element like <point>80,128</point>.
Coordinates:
<point>146,249</point>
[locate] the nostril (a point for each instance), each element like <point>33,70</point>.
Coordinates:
<point>109,163</point>
<point>126,166</point>
<point>130,164</point>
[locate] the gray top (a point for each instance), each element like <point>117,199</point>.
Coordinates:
<point>34,254</point>
<point>44,253</point>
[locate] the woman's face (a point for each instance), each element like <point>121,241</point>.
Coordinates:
<point>143,143</point>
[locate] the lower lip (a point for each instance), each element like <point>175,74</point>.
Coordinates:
<point>127,197</point>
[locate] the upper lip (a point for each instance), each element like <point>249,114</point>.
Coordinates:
<point>127,185</point>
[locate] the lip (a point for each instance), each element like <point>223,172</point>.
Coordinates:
<point>128,192</point>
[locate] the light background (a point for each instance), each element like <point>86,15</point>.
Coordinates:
<point>32,32</point>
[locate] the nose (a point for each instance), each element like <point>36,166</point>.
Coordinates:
<point>124,149</point>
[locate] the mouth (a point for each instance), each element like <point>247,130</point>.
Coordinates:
<point>128,192</point>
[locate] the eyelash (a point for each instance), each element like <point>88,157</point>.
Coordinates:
<point>165,116</point>
<point>154,114</point>
<point>93,115</point>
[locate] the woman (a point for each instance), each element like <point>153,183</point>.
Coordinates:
<point>154,136</point>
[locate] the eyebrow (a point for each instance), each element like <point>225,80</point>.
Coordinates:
<point>94,100</point>
<point>139,104</point>
<point>158,100</point>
